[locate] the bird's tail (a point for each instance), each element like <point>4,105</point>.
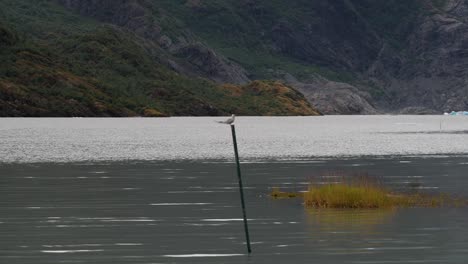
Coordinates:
<point>221,122</point>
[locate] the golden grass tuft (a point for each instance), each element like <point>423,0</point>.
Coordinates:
<point>348,196</point>
<point>364,192</point>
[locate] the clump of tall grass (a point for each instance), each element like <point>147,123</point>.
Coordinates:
<point>346,196</point>
<point>366,192</point>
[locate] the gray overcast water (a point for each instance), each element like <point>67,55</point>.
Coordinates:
<point>165,190</point>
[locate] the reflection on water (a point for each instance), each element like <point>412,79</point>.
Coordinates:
<point>348,220</point>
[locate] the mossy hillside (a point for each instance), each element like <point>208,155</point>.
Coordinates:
<point>62,64</point>
<point>38,83</point>
<point>95,75</point>
<point>272,97</point>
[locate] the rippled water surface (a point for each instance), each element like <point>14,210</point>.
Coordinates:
<point>64,140</point>
<point>165,190</point>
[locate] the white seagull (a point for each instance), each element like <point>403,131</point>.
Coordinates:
<point>229,121</point>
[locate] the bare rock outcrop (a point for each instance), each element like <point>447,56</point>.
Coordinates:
<point>205,61</point>
<point>332,98</point>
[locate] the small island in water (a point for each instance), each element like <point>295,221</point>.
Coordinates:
<point>365,192</point>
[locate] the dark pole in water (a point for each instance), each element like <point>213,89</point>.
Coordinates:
<point>233,129</point>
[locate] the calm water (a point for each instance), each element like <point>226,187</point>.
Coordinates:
<point>165,190</point>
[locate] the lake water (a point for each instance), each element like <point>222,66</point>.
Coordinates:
<point>165,190</point>
<point>71,140</point>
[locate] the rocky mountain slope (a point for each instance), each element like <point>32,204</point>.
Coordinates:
<point>431,70</point>
<point>345,56</point>
<point>56,63</point>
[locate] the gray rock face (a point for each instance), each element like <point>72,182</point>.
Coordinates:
<point>333,98</point>
<point>206,61</point>
<point>417,111</point>
<point>190,56</point>
<point>433,71</point>
<point>342,39</point>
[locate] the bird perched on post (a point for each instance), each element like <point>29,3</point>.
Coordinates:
<point>229,121</point>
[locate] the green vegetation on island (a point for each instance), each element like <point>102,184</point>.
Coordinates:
<point>364,193</point>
